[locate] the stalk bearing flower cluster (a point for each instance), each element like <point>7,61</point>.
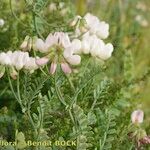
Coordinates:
<point>16,61</point>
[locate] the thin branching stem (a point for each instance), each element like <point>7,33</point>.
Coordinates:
<point>18,91</point>
<point>12,88</point>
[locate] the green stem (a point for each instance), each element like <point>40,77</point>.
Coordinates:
<point>11,87</point>
<point>5,89</point>
<point>31,120</point>
<point>94,103</point>
<point>35,26</point>
<point>58,92</point>
<point>18,91</point>
<point>70,82</point>
<point>74,100</point>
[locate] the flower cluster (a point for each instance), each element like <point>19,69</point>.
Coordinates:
<point>59,49</point>
<point>16,61</point>
<point>91,44</point>
<point>138,133</point>
<point>92,24</point>
<point>93,32</point>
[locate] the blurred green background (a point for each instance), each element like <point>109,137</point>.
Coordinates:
<point>129,30</point>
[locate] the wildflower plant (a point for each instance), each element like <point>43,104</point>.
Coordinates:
<point>66,79</point>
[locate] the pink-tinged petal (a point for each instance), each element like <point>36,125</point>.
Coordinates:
<point>66,68</point>
<point>137,116</point>
<point>145,140</point>
<point>53,68</point>
<point>42,61</point>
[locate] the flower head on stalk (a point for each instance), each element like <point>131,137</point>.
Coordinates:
<point>58,50</point>
<point>28,43</point>
<point>138,134</point>
<point>91,44</point>
<point>16,61</point>
<point>97,27</point>
<point>92,24</point>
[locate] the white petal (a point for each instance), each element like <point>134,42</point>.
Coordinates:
<point>85,47</point>
<point>74,59</point>
<point>65,41</point>
<point>106,52</point>
<point>62,39</point>
<point>86,43</point>
<point>103,30</point>
<point>91,20</point>
<point>41,46</point>
<point>68,52</point>
<point>19,59</point>
<point>76,46</point>
<point>42,61</point>
<point>5,59</point>
<point>51,40</point>
<point>95,46</point>
<point>31,64</point>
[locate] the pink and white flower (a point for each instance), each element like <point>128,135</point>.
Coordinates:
<point>59,50</point>
<point>137,116</point>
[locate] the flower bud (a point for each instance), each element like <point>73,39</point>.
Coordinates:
<point>75,21</point>
<point>137,116</point>
<point>145,140</point>
<point>27,44</point>
<point>13,73</point>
